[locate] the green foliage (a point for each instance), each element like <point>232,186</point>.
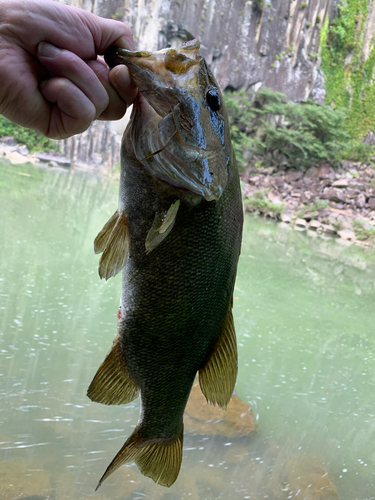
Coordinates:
<point>363,231</point>
<point>31,138</point>
<point>259,203</point>
<point>348,77</point>
<point>359,151</point>
<point>271,129</point>
<point>315,206</point>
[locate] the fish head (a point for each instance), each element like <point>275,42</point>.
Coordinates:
<point>189,139</point>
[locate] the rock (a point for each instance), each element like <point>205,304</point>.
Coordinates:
<point>46,157</point>
<point>311,215</point>
<point>8,140</point>
<point>23,150</point>
<point>314,225</point>
<point>325,171</point>
<point>255,179</point>
<point>203,418</point>
<point>370,138</point>
<point>360,200</point>
<point>16,483</point>
<point>293,176</point>
<point>327,228</point>
<point>295,194</point>
<point>302,476</point>
<point>371,203</point>
<point>346,234</point>
<point>285,218</point>
<point>311,172</point>
<point>334,195</point>
<point>301,223</point>
<point>341,183</point>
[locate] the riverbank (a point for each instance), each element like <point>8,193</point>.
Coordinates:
<point>339,201</point>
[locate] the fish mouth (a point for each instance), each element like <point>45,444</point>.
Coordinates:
<point>169,81</point>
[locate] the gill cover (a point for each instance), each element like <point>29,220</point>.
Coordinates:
<point>180,126</point>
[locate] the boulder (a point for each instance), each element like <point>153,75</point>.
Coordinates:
<point>360,200</point>
<point>203,418</point>
<point>302,476</point>
<point>341,183</point>
<point>325,171</point>
<point>334,195</point>
<point>311,172</point>
<point>293,176</point>
<point>48,156</point>
<point>346,234</point>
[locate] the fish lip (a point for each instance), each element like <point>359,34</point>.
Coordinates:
<point>114,55</point>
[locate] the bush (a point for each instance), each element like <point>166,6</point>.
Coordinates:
<point>271,130</point>
<point>259,203</point>
<point>31,138</point>
<point>363,231</point>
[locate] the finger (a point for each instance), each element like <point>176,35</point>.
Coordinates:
<point>121,80</point>
<point>71,111</point>
<point>116,106</point>
<point>65,64</point>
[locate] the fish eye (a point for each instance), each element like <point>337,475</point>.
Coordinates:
<point>213,100</point>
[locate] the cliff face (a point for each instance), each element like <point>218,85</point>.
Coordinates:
<point>304,48</point>
<point>248,43</point>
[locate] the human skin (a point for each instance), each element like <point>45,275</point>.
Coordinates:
<point>51,78</point>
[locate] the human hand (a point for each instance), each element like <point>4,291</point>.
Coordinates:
<point>51,79</point>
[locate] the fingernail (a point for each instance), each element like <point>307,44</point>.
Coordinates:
<point>45,49</point>
<point>122,77</point>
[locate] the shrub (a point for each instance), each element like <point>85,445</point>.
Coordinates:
<point>363,231</point>
<point>31,138</point>
<point>259,203</point>
<point>270,129</point>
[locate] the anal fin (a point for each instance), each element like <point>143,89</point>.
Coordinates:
<point>112,384</point>
<point>113,241</point>
<point>218,376</point>
<point>159,459</point>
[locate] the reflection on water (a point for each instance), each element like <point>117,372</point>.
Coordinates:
<point>304,312</point>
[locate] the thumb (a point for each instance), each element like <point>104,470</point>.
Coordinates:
<point>121,80</point>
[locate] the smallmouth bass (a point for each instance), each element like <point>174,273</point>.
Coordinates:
<point>177,236</point>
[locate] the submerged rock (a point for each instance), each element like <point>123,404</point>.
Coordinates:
<point>302,476</point>
<point>203,418</point>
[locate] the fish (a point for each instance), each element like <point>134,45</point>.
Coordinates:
<point>176,236</point>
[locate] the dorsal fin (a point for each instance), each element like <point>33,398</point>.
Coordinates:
<point>218,376</point>
<point>112,384</point>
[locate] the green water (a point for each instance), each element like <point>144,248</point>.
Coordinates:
<point>304,311</point>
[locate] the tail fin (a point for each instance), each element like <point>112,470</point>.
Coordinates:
<point>159,459</point>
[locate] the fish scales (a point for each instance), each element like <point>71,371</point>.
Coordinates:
<point>182,248</point>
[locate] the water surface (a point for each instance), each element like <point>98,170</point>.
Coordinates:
<point>304,312</point>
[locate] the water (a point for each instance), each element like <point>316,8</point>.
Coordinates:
<point>304,311</point>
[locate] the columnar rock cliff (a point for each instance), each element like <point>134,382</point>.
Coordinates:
<point>248,43</point>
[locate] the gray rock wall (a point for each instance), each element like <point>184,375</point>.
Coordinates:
<point>248,43</point>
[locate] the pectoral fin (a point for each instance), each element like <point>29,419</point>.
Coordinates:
<point>218,376</point>
<point>112,384</point>
<point>113,241</point>
<point>161,227</point>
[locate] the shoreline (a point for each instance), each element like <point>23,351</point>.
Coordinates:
<point>339,202</point>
